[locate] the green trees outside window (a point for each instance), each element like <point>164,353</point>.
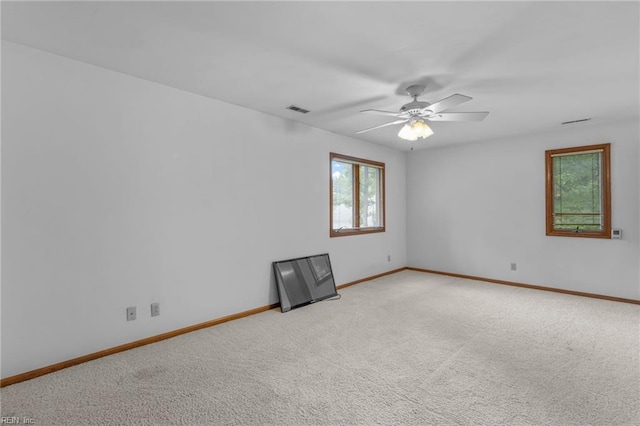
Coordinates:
<point>578,191</point>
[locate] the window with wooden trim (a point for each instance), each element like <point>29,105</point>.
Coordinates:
<point>578,191</point>
<point>357,196</point>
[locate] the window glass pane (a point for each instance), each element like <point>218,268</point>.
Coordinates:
<point>342,177</point>
<point>357,196</point>
<point>370,197</point>
<point>577,192</point>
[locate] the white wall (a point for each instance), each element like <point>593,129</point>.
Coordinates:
<point>120,192</point>
<point>475,208</point>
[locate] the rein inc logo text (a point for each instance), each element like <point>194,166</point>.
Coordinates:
<point>15,420</point>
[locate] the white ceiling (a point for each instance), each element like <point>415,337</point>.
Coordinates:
<point>533,65</point>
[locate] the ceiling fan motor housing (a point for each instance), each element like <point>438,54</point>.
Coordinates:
<point>415,107</point>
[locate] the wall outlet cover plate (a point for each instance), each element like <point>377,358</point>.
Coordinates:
<point>131,313</point>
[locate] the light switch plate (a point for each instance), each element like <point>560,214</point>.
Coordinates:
<point>131,313</point>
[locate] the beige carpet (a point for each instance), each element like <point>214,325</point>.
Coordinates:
<point>406,349</point>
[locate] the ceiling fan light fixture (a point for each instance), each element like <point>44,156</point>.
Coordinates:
<point>407,133</point>
<point>415,129</point>
<point>421,129</point>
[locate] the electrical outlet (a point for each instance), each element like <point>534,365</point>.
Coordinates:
<point>155,309</point>
<point>131,313</point>
<point>514,266</point>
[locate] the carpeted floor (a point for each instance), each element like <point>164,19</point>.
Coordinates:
<point>407,349</point>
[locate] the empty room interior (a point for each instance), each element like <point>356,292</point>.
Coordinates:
<point>460,180</point>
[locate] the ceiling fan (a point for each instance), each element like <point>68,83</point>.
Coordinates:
<point>415,114</point>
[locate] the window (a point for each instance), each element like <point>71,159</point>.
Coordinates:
<point>357,196</point>
<point>578,191</point>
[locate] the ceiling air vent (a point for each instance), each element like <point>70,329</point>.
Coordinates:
<point>298,109</point>
<point>576,121</point>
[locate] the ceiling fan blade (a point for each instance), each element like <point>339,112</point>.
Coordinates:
<point>383,125</point>
<point>380,112</point>
<point>447,103</point>
<point>458,116</point>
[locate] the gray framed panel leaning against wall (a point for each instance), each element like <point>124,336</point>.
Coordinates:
<point>304,280</point>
